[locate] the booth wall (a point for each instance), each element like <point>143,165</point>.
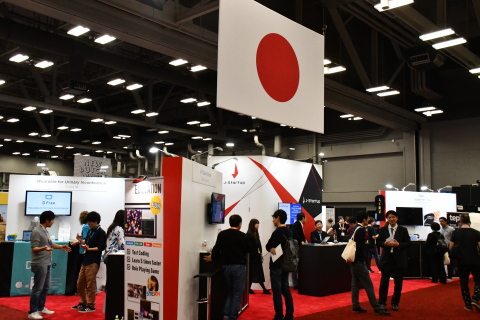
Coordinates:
<point>24,165</point>
<point>253,195</point>
<point>104,195</point>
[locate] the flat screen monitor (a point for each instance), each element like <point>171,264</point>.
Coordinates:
<point>140,222</point>
<point>409,216</point>
<point>292,210</point>
<point>216,208</point>
<point>60,202</point>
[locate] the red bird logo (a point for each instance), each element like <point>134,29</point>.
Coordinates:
<point>235,173</point>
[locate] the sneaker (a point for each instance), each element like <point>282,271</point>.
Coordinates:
<point>449,280</point>
<point>46,311</point>
<point>468,308</point>
<point>78,306</point>
<point>476,304</point>
<point>34,315</point>
<point>87,309</point>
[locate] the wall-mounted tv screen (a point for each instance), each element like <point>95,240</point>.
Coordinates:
<point>292,209</point>
<point>60,202</point>
<point>409,216</point>
<point>216,209</point>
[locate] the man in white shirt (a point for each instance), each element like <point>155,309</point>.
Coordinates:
<point>446,230</point>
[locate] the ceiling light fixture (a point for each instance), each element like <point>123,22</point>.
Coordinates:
<point>391,4</point>
<point>389,186</point>
<point>476,70</point>
<point>159,142</point>
<point>203,103</point>
<point>78,31</point>
<point>7,139</point>
<point>12,120</point>
<point>105,39</point>
<point>163,131</point>
<point>62,128</point>
<point>347,116</point>
<point>75,129</point>
<point>46,111</point>
<point>326,62</point>
<point>29,108</point>
<point>43,150</point>
<point>207,139</point>
<point>33,134</point>
<point>178,62</point>
<point>388,93</point>
<point>430,113</point>
<point>437,34</point>
<point>99,151</point>
<point>197,68</point>
<point>205,125</point>
<point>96,142</point>
<point>440,189</point>
<point>409,184</point>
<point>197,137</point>
<point>116,82</point>
<point>193,122</point>
<point>19,141</point>
<point>138,111</point>
<point>67,96</point>
<point>19,58</point>
<point>169,143</point>
<point>357,118</point>
<point>46,135</point>
<point>40,164</point>
<point>84,100</point>
<point>110,122</point>
<point>425,188</point>
<point>16,153</point>
<point>134,86</point>
<point>376,89</point>
<point>44,64</point>
<point>69,147</point>
<point>188,100</point>
<point>25,154</point>
<point>2,82</point>
<point>54,157</point>
<point>330,70</point>
<point>425,109</point>
<point>58,146</point>
<point>230,144</point>
<point>151,114</point>
<point>97,120</point>
<point>449,43</point>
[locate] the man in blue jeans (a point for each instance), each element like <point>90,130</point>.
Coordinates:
<point>231,249</point>
<point>42,248</point>
<point>278,277</point>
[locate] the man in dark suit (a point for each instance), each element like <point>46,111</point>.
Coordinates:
<point>298,235</point>
<point>318,235</point>
<point>394,240</point>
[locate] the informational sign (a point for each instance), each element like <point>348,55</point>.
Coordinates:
<point>92,167</point>
<point>144,249</point>
<point>292,210</point>
<point>453,218</point>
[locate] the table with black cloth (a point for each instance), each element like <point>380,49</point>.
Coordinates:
<point>322,270</point>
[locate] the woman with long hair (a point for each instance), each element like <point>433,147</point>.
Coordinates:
<point>256,267</point>
<point>115,235</point>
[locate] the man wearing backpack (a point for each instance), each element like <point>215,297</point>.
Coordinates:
<point>279,277</point>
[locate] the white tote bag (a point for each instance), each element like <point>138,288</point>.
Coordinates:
<point>348,253</point>
<point>446,259</point>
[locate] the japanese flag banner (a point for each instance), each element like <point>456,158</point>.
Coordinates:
<point>269,66</point>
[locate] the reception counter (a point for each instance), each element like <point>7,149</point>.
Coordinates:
<point>16,274</point>
<point>322,271</point>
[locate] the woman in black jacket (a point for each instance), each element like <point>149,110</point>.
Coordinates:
<point>435,259</point>
<point>256,267</point>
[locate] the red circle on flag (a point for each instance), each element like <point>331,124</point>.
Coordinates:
<point>277,67</point>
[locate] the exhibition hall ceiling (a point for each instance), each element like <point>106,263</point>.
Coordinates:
<point>376,48</point>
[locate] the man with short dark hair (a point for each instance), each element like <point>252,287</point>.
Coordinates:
<point>360,274</point>
<point>298,235</point>
<point>446,230</point>
<point>231,248</point>
<point>278,277</point>
<point>394,239</point>
<point>318,235</point>
<point>42,247</point>
<point>95,243</point>
<point>467,242</point>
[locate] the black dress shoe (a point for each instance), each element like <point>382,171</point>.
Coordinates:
<point>382,312</point>
<point>359,310</point>
<point>251,291</point>
<point>266,292</point>
<point>395,307</point>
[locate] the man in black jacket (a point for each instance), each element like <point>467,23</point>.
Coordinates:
<point>278,277</point>
<point>394,240</point>
<point>318,235</point>
<point>231,249</point>
<point>298,235</point>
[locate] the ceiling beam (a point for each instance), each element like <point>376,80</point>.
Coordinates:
<point>198,10</point>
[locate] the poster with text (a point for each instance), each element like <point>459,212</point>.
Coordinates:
<point>144,249</point>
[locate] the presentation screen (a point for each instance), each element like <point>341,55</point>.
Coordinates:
<point>410,216</point>
<point>292,209</point>
<point>60,202</point>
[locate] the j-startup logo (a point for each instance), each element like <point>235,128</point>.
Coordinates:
<point>234,175</point>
